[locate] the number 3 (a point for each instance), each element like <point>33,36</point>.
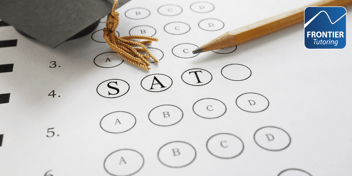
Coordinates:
<point>53,64</point>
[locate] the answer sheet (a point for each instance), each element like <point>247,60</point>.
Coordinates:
<point>267,107</point>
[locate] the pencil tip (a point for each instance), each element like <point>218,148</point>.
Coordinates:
<point>196,51</point>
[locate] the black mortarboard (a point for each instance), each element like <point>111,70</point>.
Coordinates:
<point>54,21</point>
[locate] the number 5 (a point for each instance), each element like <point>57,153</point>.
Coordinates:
<point>50,132</point>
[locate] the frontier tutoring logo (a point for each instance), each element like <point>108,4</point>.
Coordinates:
<point>325,27</point>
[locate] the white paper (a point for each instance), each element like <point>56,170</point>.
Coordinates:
<point>270,107</point>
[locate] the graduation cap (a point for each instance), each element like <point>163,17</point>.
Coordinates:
<point>55,21</point>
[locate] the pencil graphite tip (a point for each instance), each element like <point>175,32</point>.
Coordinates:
<point>196,51</point>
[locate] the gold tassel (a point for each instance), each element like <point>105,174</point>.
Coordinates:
<point>124,45</point>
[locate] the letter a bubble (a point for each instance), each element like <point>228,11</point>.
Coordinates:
<point>156,82</point>
<point>123,162</point>
<point>118,122</point>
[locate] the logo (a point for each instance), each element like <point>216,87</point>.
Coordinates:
<point>325,27</point>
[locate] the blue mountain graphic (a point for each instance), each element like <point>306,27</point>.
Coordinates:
<point>322,13</point>
<point>325,27</point>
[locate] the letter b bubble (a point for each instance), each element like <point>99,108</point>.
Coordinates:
<point>143,30</point>
<point>177,154</point>
<point>165,115</point>
<point>137,13</point>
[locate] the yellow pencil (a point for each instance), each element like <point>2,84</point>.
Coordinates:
<point>266,26</point>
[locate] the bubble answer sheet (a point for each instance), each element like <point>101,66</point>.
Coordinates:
<point>268,107</point>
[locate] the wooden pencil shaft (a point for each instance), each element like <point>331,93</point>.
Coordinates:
<point>266,26</point>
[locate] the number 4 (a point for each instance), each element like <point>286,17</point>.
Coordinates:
<point>52,94</point>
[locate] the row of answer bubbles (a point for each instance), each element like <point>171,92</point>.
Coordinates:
<point>168,115</point>
<point>183,51</point>
<point>173,28</point>
<point>179,154</point>
<point>144,30</point>
<point>179,27</point>
<point>112,59</point>
<point>167,10</point>
<point>157,82</point>
<point>173,10</point>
